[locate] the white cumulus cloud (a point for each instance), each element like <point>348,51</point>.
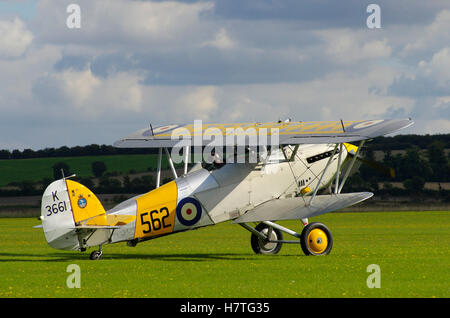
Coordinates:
<point>221,40</point>
<point>15,38</point>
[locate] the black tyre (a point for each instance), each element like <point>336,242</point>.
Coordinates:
<point>316,239</point>
<point>96,255</point>
<point>263,246</point>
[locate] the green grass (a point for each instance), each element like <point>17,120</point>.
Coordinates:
<point>411,248</point>
<point>39,168</point>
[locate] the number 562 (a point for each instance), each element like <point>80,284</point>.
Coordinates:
<point>155,220</point>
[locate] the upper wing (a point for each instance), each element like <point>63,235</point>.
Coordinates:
<point>298,207</point>
<point>289,133</point>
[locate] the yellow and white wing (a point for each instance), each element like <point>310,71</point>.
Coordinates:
<point>313,132</point>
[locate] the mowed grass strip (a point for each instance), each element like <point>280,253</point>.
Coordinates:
<point>411,249</point>
<point>38,168</point>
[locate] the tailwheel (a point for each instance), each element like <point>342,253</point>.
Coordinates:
<point>270,243</point>
<point>316,239</point>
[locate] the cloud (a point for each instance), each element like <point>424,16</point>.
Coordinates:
<point>326,14</point>
<point>334,97</point>
<point>338,95</point>
<point>135,62</point>
<point>121,23</point>
<point>432,36</point>
<point>437,68</point>
<point>433,126</point>
<point>198,103</point>
<point>221,40</point>
<point>19,75</point>
<point>349,47</point>
<point>428,78</point>
<point>88,97</point>
<point>14,38</point>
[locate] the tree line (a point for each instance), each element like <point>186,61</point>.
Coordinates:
<point>400,142</point>
<point>77,151</point>
<point>422,159</point>
<point>413,167</point>
<point>101,181</point>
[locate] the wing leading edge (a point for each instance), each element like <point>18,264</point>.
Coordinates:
<point>290,133</point>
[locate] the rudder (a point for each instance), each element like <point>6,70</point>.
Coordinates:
<point>85,205</point>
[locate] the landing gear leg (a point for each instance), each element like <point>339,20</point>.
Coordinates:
<point>96,255</point>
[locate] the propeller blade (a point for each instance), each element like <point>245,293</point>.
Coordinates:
<point>352,151</point>
<point>377,166</point>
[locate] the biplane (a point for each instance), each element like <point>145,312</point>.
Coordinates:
<point>299,174</point>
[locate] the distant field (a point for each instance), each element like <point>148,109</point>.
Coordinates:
<point>39,168</point>
<point>412,250</point>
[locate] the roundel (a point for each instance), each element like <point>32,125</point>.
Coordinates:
<point>161,129</point>
<point>189,211</point>
<point>367,124</point>
<point>158,130</point>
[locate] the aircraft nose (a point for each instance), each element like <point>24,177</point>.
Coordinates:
<point>351,149</point>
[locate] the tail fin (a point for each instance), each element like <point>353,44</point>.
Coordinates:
<point>65,205</point>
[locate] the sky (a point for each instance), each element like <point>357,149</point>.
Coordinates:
<point>128,64</point>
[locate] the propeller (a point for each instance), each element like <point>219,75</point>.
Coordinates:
<point>353,151</point>
<point>377,166</point>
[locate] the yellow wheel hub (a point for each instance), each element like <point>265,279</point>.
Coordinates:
<point>317,241</point>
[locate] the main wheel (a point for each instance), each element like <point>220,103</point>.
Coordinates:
<point>316,239</point>
<point>263,246</point>
<point>95,255</point>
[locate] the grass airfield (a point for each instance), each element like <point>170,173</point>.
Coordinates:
<point>412,250</point>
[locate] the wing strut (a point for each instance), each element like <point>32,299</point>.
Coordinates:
<point>158,172</point>
<point>347,172</point>
<point>338,171</point>
<point>323,173</point>
<point>174,172</point>
<point>186,158</point>
<point>172,167</point>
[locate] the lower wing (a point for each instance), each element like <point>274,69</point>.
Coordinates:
<point>299,207</point>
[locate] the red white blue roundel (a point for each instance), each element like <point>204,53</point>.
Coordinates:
<point>189,211</point>
<point>368,123</point>
<point>159,130</point>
